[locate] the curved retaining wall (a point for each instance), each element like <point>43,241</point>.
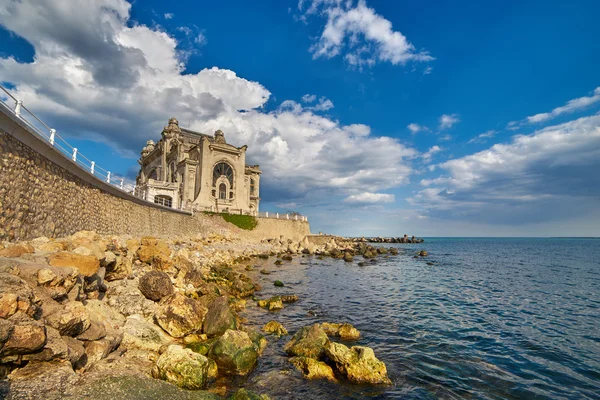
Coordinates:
<point>42,193</point>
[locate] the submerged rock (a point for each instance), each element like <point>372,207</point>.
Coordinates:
<point>234,353</point>
<point>357,363</point>
<point>182,367</point>
<point>309,341</point>
<point>313,369</point>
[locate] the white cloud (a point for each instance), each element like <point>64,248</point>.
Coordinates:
<point>369,198</point>
<point>545,175</point>
<point>571,107</point>
<point>414,128</point>
<point>428,71</point>
<point>309,98</point>
<point>97,77</point>
<point>201,40</point>
<point>433,150</point>
<point>448,120</point>
<point>360,34</point>
<point>481,138</point>
<point>169,15</point>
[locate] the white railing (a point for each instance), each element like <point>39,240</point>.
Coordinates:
<point>294,216</point>
<point>43,131</point>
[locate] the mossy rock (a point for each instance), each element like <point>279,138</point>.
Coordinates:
<point>234,353</point>
<point>245,394</point>
<point>278,283</point>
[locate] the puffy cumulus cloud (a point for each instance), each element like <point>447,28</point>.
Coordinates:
<point>570,107</point>
<point>367,198</point>
<point>105,78</point>
<point>415,128</point>
<point>358,32</point>
<point>448,121</point>
<point>429,153</point>
<point>309,98</point>
<point>548,175</point>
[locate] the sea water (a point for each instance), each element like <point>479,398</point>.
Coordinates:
<point>478,318</point>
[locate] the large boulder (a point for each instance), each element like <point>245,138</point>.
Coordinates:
<point>16,250</point>
<point>234,353</point>
<point>182,367</point>
<point>309,341</point>
<point>357,363</point>
<point>117,265</point>
<point>87,265</point>
<point>313,369</point>
<point>16,297</point>
<point>219,317</point>
<point>143,335</point>
<point>125,297</point>
<point>344,331</point>
<point>72,320</point>
<point>27,336</point>
<point>179,315</point>
<point>155,285</point>
<point>54,349</point>
<point>155,252</point>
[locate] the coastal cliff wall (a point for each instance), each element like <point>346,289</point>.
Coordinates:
<point>43,193</point>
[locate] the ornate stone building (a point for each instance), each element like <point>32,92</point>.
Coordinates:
<point>192,170</point>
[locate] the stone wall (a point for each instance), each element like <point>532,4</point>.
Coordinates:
<point>41,194</point>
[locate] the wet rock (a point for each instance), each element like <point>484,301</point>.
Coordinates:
<point>245,394</point>
<point>309,341</point>
<point>179,315</point>
<point>394,251</point>
<point>274,328</point>
<point>274,303</point>
<point>290,298</point>
<point>219,318</point>
<point>182,367</point>
<point>278,262</point>
<point>87,265</point>
<point>143,335</point>
<point>313,369</point>
<point>71,320</point>
<point>287,257</point>
<point>265,272</point>
<point>234,353</point>
<point>423,253</point>
<point>344,331</point>
<point>16,250</point>
<point>278,283</point>
<point>348,257</point>
<point>27,337</point>
<point>155,285</point>
<point>358,364</point>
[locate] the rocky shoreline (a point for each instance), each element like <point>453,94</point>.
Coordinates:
<point>404,239</point>
<point>104,316</point>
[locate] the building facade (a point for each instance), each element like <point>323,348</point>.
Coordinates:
<point>194,171</point>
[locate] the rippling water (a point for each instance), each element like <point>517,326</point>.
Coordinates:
<point>478,318</point>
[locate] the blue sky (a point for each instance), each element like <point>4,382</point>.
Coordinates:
<point>371,117</point>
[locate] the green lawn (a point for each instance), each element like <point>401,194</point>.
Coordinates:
<point>247,222</point>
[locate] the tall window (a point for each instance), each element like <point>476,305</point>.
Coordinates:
<point>223,191</point>
<point>252,187</point>
<point>173,173</point>
<point>223,169</point>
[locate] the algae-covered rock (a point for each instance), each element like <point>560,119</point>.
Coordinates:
<point>274,328</point>
<point>423,253</point>
<point>180,315</point>
<point>274,303</point>
<point>278,283</point>
<point>344,331</point>
<point>182,367</point>
<point>234,353</point>
<point>155,285</point>
<point>357,363</point>
<point>143,335</point>
<point>219,318</point>
<point>309,341</point>
<point>313,369</point>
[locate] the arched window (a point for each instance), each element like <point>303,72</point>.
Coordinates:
<point>163,200</point>
<point>223,169</point>
<point>153,174</point>
<point>252,187</point>
<point>223,191</point>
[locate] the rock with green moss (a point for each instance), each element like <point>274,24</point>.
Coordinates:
<point>344,331</point>
<point>274,303</point>
<point>309,341</point>
<point>234,353</point>
<point>180,315</point>
<point>357,363</point>
<point>278,283</point>
<point>245,394</point>
<point>313,369</point>
<point>219,317</point>
<point>274,328</point>
<point>182,367</point>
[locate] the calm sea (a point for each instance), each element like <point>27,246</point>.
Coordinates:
<point>479,318</point>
